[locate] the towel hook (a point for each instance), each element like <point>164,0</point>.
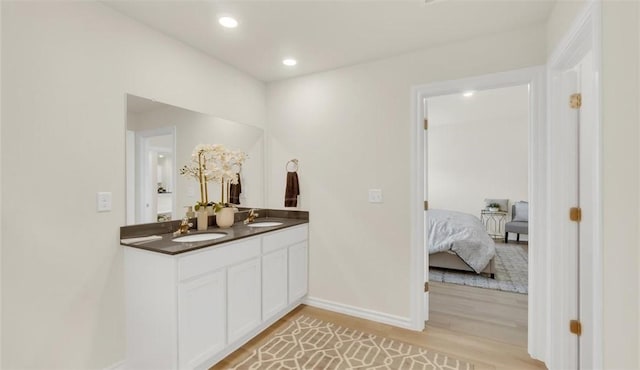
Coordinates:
<point>295,165</point>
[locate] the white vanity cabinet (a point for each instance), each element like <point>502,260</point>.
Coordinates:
<point>274,282</point>
<point>190,310</point>
<point>282,284</point>
<point>201,318</point>
<point>298,273</point>
<point>243,299</point>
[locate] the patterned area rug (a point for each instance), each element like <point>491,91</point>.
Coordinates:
<point>312,344</point>
<point>512,264</point>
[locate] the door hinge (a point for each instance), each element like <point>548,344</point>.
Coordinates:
<point>575,327</point>
<point>426,286</point>
<point>575,101</point>
<point>426,205</point>
<point>575,214</point>
<point>426,123</point>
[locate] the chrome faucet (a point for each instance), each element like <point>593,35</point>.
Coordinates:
<point>251,216</point>
<point>184,227</point>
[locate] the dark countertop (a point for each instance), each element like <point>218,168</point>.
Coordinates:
<point>236,232</point>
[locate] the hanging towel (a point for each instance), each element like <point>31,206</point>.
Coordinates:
<point>234,192</point>
<point>292,191</point>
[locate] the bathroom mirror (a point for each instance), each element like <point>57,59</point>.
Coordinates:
<point>159,141</point>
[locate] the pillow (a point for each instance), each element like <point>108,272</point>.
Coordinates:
<point>522,212</point>
<point>504,203</point>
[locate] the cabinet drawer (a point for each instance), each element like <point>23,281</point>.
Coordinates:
<point>285,238</point>
<point>217,257</point>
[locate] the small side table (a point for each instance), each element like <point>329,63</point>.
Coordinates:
<point>494,222</point>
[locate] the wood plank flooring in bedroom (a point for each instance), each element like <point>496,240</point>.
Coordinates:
<point>491,322</point>
<point>487,313</point>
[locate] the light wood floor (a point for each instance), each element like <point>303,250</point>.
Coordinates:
<point>487,313</point>
<point>485,327</point>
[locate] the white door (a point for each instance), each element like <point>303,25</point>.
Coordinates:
<point>202,319</point>
<point>274,283</point>
<point>298,271</point>
<point>425,226</point>
<point>567,242</point>
<point>573,184</point>
<point>243,298</point>
<point>150,211</point>
<point>588,185</point>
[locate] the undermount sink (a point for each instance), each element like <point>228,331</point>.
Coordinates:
<point>265,224</point>
<point>199,237</point>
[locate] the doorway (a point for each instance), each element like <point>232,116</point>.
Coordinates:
<point>151,162</point>
<point>534,78</point>
<point>477,182</point>
<point>551,259</point>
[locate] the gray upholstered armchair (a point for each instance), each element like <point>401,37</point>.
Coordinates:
<point>519,223</point>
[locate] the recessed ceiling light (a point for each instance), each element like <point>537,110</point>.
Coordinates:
<point>289,62</point>
<point>228,22</point>
<point>468,94</point>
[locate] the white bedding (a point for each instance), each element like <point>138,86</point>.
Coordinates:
<point>462,234</point>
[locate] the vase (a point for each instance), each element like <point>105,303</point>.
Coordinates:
<point>210,211</point>
<point>493,209</point>
<point>203,219</point>
<point>224,217</point>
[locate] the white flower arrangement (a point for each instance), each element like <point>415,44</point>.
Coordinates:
<point>214,163</point>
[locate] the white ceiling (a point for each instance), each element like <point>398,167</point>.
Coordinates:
<point>324,35</point>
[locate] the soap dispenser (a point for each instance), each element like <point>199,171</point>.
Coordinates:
<point>190,213</point>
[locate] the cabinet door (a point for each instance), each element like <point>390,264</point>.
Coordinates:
<point>201,323</point>
<point>274,283</point>
<point>243,298</point>
<point>298,271</point>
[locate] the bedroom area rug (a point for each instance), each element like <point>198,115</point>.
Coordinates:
<point>309,343</point>
<point>511,271</point>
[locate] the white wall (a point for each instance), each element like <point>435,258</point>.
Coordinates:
<point>478,148</point>
<point>351,129</point>
<point>66,67</point>
<point>620,120</point>
<point>560,20</point>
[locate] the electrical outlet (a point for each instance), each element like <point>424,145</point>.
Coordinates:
<point>375,195</point>
<point>104,201</point>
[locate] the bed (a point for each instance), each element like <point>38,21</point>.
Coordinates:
<point>459,241</point>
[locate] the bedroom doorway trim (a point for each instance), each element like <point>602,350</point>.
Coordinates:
<point>535,77</point>
<point>579,51</point>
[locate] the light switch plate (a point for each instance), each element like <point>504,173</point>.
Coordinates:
<point>103,201</point>
<point>375,195</point>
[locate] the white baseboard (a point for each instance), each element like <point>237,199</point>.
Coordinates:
<point>117,366</point>
<point>363,313</point>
